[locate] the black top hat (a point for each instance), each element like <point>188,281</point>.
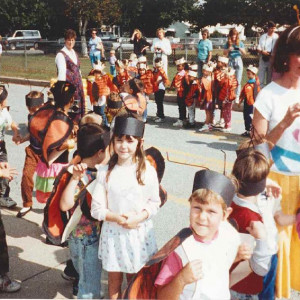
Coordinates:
<point>3,93</point>
<point>32,102</point>
<point>216,182</point>
<point>91,138</point>
<point>129,126</point>
<point>63,91</point>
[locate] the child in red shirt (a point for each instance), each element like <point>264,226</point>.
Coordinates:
<point>177,84</point>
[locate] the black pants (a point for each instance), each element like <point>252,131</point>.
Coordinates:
<point>4,183</point>
<point>159,100</point>
<point>181,108</point>
<point>248,110</point>
<point>4,263</point>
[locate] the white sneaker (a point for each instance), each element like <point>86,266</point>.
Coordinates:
<point>220,124</point>
<point>226,129</point>
<point>178,123</point>
<point>205,128</point>
<point>160,120</point>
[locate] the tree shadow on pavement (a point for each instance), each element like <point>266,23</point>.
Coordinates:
<point>216,145</point>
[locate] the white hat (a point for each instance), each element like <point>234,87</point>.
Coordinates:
<point>223,59</point>
<point>99,66</point>
<point>132,56</point>
<point>193,73</point>
<point>142,66</point>
<point>142,59</point>
<point>194,67</point>
<point>159,64</point>
<point>180,61</point>
<point>208,68</point>
<point>253,69</point>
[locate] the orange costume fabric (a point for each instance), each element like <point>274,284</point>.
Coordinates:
<point>121,78</point>
<point>148,82</point>
<point>105,87</point>
<point>206,88</point>
<point>228,85</point>
<point>250,91</point>
<point>159,73</point>
<point>193,92</point>
<point>177,83</point>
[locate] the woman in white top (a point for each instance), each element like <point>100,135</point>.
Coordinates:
<point>96,47</point>
<point>68,69</point>
<point>276,118</point>
<point>161,47</point>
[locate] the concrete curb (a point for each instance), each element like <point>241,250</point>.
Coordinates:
<point>44,83</point>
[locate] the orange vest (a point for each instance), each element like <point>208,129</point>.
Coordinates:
<point>177,83</point>
<point>206,87</point>
<point>156,74</point>
<point>193,92</point>
<point>250,91</point>
<point>121,78</point>
<point>228,85</point>
<point>105,86</point>
<point>148,82</point>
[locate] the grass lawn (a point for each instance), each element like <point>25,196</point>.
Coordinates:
<point>43,66</point>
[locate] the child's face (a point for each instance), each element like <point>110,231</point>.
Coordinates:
<point>205,73</point>
<point>112,54</point>
<point>97,75</point>
<point>126,88</point>
<point>192,78</point>
<point>250,75</point>
<point>205,219</point>
<point>179,68</point>
<point>141,71</point>
<point>125,148</point>
<point>3,104</point>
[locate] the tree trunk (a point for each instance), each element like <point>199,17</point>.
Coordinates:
<point>82,29</point>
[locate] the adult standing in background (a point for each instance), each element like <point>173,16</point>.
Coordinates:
<point>68,69</point>
<point>161,47</point>
<point>139,42</point>
<point>96,50</point>
<point>265,48</point>
<point>204,50</point>
<point>234,49</point>
<point>277,119</point>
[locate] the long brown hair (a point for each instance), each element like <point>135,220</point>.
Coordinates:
<point>232,32</point>
<point>139,157</point>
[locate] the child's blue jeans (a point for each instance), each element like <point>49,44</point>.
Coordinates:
<point>84,254</point>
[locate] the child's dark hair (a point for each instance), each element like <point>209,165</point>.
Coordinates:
<point>251,166</point>
<point>139,154</point>
<point>89,138</point>
<point>157,59</point>
<point>3,93</point>
<point>136,85</point>
<point>186,66</point>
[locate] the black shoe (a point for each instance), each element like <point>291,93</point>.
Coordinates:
<point>189,125</point>
<point>246,134</point>
<point>70,272</point>
<point>21,214</point>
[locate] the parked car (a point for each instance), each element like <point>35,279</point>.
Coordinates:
<point>52,47</point>
<point>23,38</point>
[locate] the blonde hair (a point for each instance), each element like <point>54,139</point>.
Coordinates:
<point>91,118</point>
<point>205,196</point>
<point>160,29</point>
<point>139,33</point>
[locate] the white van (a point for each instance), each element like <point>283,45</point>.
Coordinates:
<point>22,38</point>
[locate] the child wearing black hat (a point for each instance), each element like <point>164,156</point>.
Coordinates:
<point>58,137</point>
<point>6,121</point>
<point>92,143</point>
<point>34,100</point>
<point>126,197</point>
<point>252,204</point>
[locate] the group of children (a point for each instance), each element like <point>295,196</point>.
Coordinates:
<point>216,89</point>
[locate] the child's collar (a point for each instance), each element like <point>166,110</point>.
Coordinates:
<point>252,80</point>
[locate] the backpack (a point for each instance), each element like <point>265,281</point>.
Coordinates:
<point>142,284</point>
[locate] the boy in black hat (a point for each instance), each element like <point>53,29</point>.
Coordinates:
<point>6,122</point>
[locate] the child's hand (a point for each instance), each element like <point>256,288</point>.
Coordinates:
<point>120,220</point>
<point>6,171</point>
<point>257,230</point>
<point>191,272</point>
<point>78,171</point>
<point>244,252</point>
<point>132,221</point>
<point>273,188</point>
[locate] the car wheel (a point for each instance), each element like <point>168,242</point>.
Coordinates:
<point>12,46</point>
<point>36,46</point>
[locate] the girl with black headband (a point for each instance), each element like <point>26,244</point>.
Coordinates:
<point>125,198</point>
<point>252,204</point>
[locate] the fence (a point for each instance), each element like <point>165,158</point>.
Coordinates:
<point>38,62</point>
